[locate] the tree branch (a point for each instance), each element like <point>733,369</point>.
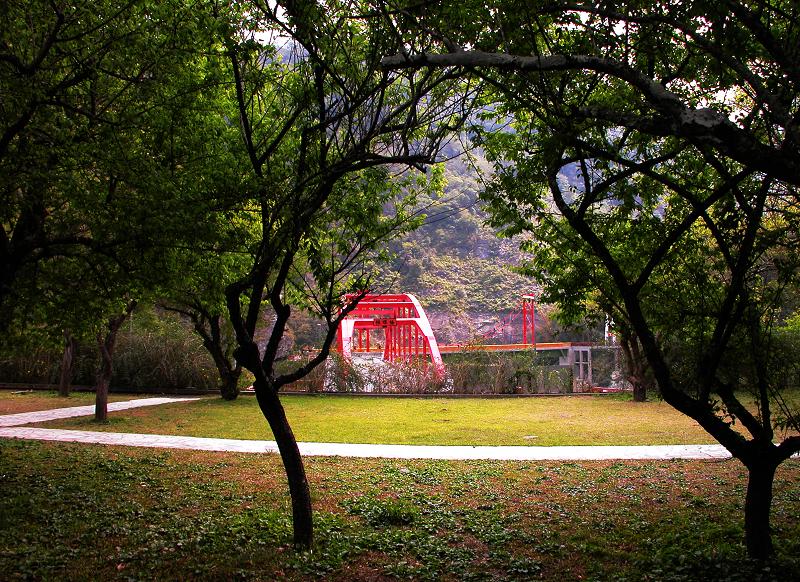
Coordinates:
<point>675,118</point>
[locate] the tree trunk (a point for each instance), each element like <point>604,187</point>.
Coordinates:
<point>636,366</point>
<point>102,381</point>
<point>757,532</point>
<point>229,388</point>
<point>105,343</point>
<point>639,390</point>
<point>302,518</point>
<point>229,370</point>
<point>67,364</point>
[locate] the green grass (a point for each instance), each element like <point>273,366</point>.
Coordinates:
<point>85,512</point>
<point>584,420</point>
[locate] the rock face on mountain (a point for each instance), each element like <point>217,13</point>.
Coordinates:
<point>460,270</point>
<point>455,264</point>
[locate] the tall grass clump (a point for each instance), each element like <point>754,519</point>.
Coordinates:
<point>155,351</point>
<point>508,373</point>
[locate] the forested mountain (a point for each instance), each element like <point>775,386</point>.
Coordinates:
<point>455,264</point>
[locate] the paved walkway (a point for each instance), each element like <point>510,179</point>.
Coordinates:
<point>58,413</point>
<point>531,453</point>
<point>12,429</point>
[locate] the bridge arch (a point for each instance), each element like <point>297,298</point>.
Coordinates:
<point>408,333</point>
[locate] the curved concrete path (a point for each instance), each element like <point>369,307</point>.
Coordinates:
<point>59,413</point>
<point>12,429</point>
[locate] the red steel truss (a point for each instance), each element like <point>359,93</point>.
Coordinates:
<point>408,334</point>
<point>407,331</point>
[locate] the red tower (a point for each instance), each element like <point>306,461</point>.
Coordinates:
<point>529,319</point>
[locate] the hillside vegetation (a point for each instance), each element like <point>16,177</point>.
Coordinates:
<point>455,264</point>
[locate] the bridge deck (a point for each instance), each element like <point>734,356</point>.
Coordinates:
<point>459,348</point>
<point>452,349</point>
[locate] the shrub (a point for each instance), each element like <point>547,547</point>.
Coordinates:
<point>508,373</point>
<point>313,382</point>
<point>165,354</point>
<point>415,377</point>
<point>466,373</point>
<point>35,366</point>
<point>343,376</point>
<point>154,351</point>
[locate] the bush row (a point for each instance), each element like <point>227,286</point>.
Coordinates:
<point>152,353</point>
<point>158,352</point>
<point>474,373</point>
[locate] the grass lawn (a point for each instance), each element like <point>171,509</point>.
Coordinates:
<point>14,401</point>
<point>86,512</point>
<point>577,420</point>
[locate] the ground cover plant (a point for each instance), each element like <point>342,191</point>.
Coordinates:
<point>133,514</point>
<point>547,421</point>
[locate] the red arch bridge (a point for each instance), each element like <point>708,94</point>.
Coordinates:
<point>408,335</point>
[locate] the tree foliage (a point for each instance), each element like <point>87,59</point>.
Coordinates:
<point>93,121</point>
<point>117,157</point>
<point>653,154</point>
<point>249,151</point>
<point>325,136</point>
